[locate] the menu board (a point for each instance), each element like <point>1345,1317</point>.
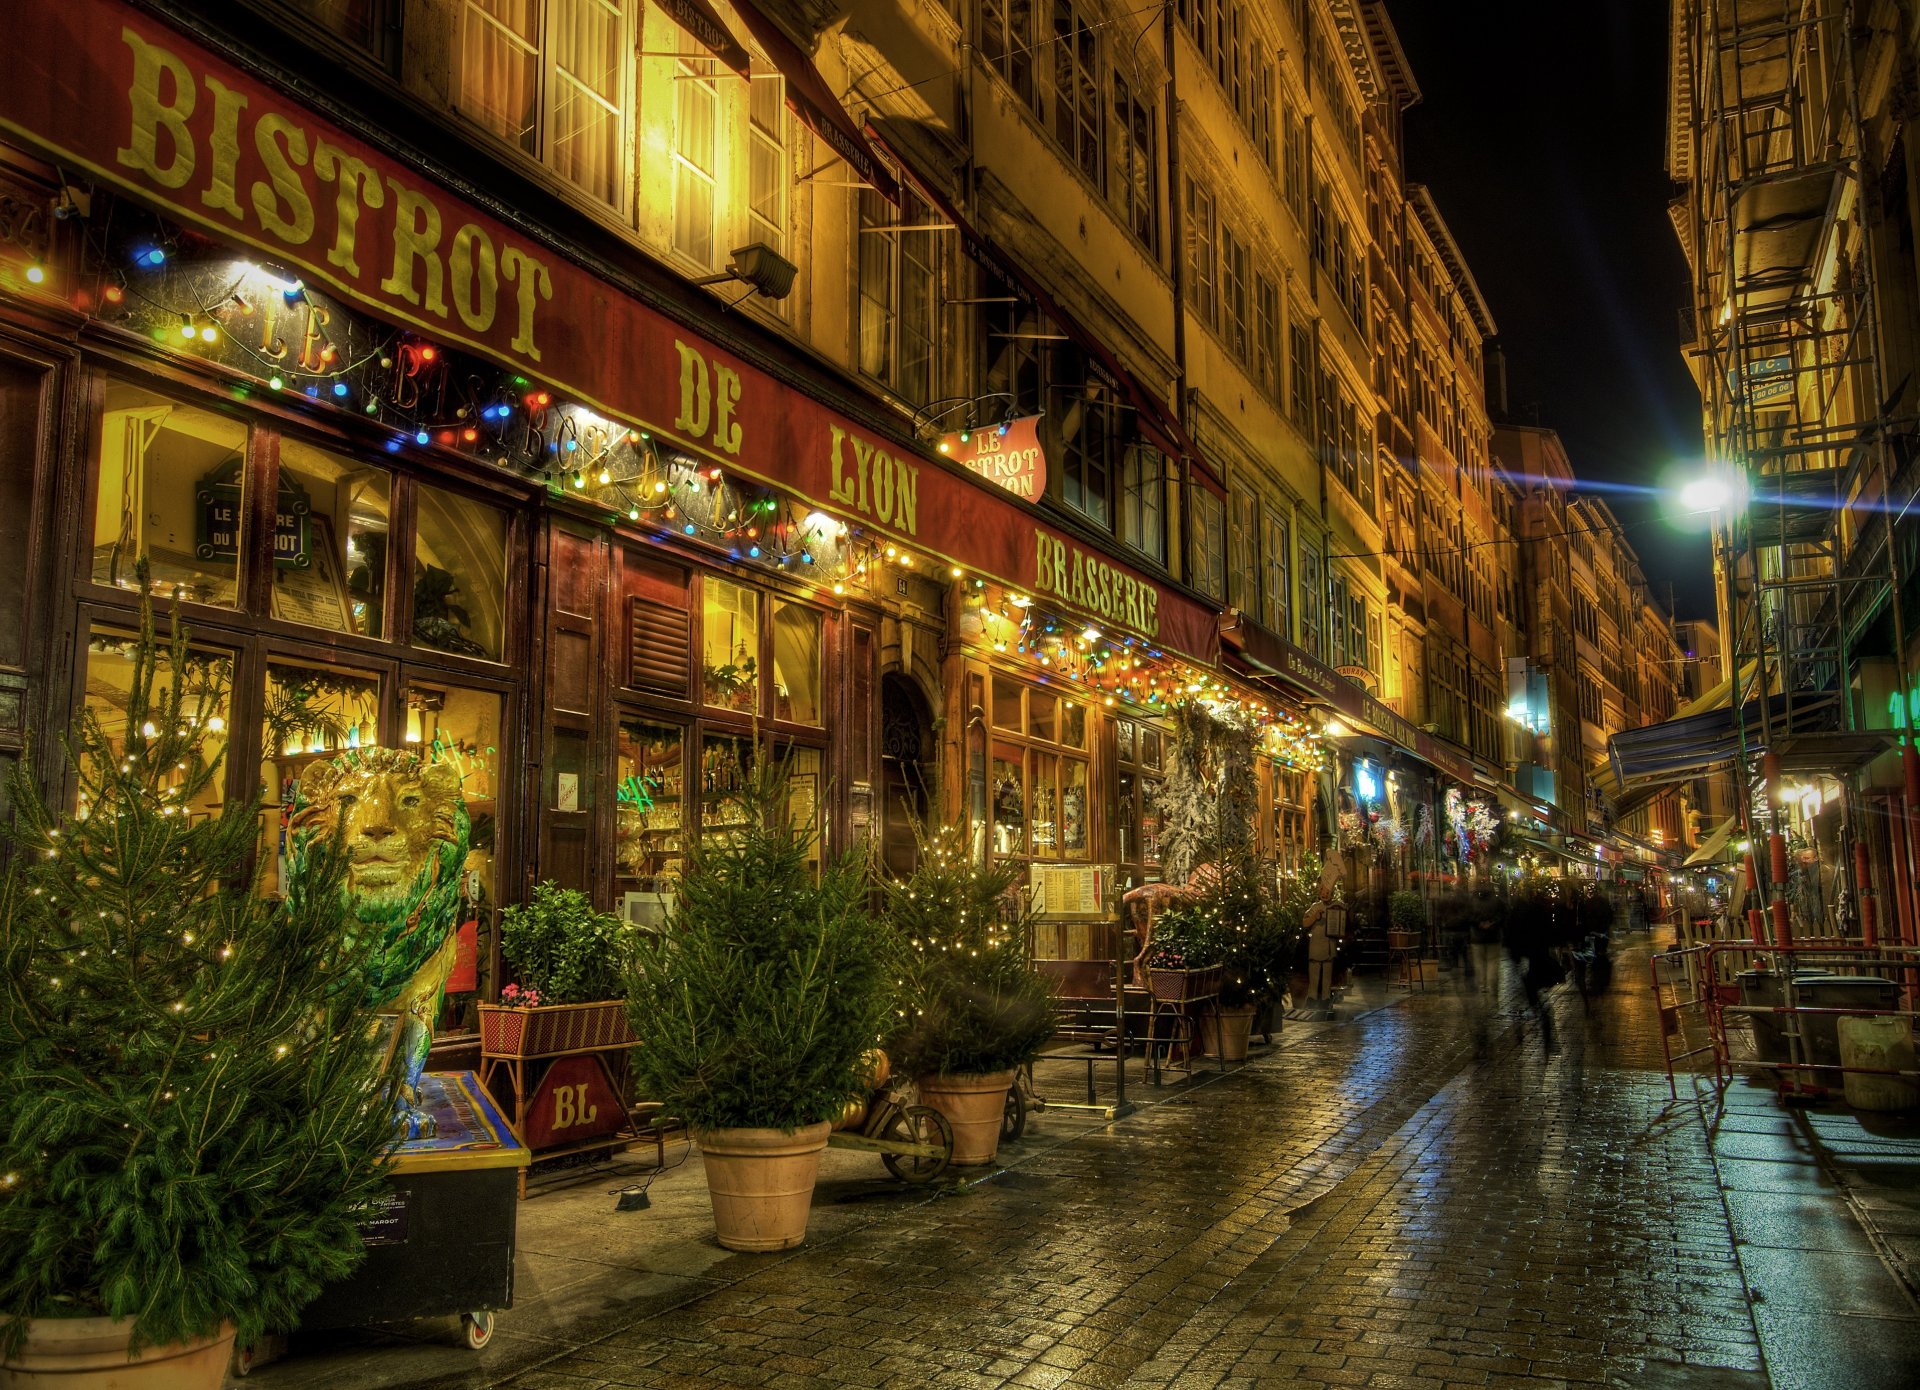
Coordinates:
<point>1068,890</point>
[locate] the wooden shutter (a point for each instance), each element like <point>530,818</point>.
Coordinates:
<point>659,646</point>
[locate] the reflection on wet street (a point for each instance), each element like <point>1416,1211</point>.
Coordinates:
<point>1424,1196</point>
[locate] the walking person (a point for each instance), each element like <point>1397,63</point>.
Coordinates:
<point>1530,945</point>
<point>1484,922</point>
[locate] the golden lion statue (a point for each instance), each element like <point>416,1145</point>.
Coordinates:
<point>404,823</point>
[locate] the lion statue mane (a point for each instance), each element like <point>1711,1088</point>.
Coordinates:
<point>403,822</point>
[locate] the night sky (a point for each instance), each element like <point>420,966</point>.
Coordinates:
<point>1542,135</point>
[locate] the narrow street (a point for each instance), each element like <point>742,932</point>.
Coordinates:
<point>1367,1204</point>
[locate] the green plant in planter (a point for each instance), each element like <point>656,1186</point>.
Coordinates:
<point>1186,936</point>
<point>754,1006</point>
<point>192,1102</point>
<point>564,950</point>
<point>971,1002</point>
<point>1406,911</point>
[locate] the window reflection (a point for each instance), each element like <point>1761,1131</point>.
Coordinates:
<point>311,713</point>
<point>730,641</point>
<point>459,574</point>
<point>651,801</point>
<point>170,484</point>
<point>796,663</point>
<point>339,582</point>
<point>1008,782</point>
<point>206,701</point>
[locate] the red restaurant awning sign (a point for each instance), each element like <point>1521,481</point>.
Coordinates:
<point>1013,460</point>
<point>109,90</point>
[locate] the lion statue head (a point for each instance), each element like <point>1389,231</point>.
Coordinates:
<point>403,821</point>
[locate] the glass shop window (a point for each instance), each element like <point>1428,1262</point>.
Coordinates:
<point>1137,792</point>
<point>730,662</point>
<point>796,663</point>
<point>459,574</point>
<point>330,541</point>
<point>205,700</point>
<point>804,805</point>
<point>171,480</point>
<point>311,713</point>
<point>1038,784</point>
<point>1006,704</point>
<point>1007,783</point>
<point>726,762</point>
<point>649,838</point>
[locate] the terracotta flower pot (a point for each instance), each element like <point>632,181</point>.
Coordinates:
<point>974,1107</point>
<point>1234,1028</point>
<point>91,1354</point>
<point>761,1182</point>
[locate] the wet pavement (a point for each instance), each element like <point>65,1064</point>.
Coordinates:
<point>1398,1198</point>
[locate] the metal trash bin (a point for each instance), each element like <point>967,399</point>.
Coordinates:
<point>1820,1032</point>
<point>1761,989</point>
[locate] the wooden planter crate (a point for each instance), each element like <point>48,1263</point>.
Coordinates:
<point>552,1029</point>
<point>1175,986</point>
<point>557,1071</point>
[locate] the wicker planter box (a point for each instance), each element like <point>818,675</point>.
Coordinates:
<point>552,1029</point>
<point>1173,986</point>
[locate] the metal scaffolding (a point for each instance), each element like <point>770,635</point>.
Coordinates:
<point>1797,409</point>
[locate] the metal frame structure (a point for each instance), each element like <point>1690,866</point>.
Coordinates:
<point>1799,419</point>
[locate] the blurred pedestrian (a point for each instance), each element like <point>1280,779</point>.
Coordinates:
<point>1484,923</point>
<point>1530,942</point>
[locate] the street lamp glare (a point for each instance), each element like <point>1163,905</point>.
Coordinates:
<point>1705,495</point>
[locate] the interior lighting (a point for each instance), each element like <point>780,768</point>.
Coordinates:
<point>36,274</point>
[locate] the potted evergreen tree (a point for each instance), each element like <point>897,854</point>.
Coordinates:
<point>568,963</point>
<point>1240,911</point>
<point>192,1102</point>
<point>974,1009</point>
<point>755,1007</point>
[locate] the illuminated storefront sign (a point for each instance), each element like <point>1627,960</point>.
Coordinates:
<point>1008,456</point>
<point>1093,586</point>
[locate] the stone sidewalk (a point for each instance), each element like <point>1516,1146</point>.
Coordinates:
<point>1397,1200</point>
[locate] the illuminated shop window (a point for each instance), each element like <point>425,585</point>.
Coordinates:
<point>726,762</point>
<point>730,636</point>
<point>171,483</point>
<point>459,574</point>
<point>796,663</point>
<point>1137,791</point>
<point>205,700</point>
<point>649,837</point>
<point>330,545</point>
<point>311,712</point>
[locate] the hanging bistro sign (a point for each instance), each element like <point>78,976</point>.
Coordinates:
<point>1007,456</point>
<point>108,89</point>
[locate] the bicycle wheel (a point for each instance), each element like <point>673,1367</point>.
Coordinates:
<point>919,1125</point>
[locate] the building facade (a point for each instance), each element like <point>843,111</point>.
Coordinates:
<point>608,396</point>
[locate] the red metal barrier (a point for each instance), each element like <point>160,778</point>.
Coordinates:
<point>1841,956</point>
<point>1681,982</point>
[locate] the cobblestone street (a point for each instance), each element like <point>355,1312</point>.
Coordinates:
<point>1375,1202</point>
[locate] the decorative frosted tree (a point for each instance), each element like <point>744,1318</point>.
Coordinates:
<point>192,1104</point>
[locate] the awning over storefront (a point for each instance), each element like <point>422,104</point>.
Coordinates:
<point>813,101</point>
<point>1712,846</point>
<point>1319,682</point>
